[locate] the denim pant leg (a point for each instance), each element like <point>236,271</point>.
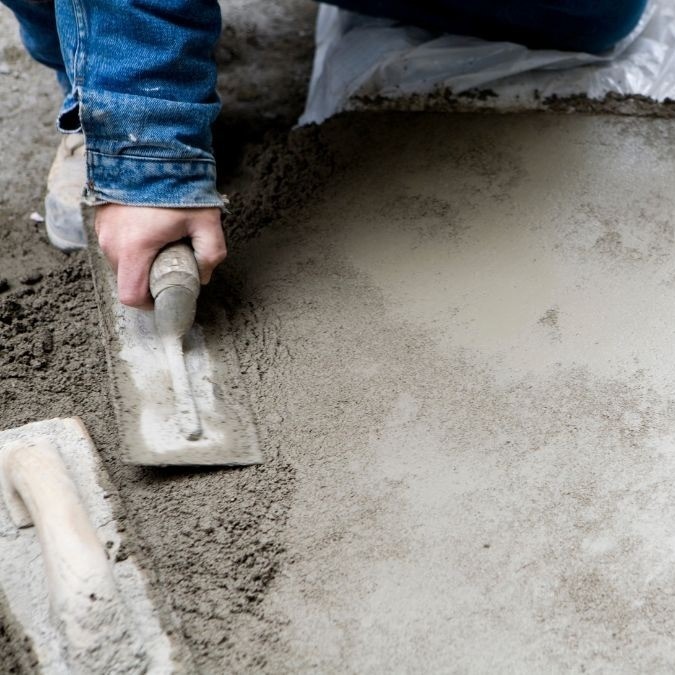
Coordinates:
<point>37,24</point>
<point>575,25</point>
<point>144,78</point>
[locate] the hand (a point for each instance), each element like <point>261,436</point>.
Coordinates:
<point>131,236</point>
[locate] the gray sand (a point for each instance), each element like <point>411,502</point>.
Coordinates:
<point>464,395</point>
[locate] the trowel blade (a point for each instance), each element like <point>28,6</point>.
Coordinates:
<point>143,398</point>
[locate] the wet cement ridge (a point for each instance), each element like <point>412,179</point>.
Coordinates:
<point>487,102</point>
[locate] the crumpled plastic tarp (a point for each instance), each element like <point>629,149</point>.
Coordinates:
<point>359,56</point>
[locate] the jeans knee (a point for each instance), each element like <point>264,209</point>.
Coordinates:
<point>603,23</point>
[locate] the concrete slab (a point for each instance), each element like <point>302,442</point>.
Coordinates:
<point>468,343</point>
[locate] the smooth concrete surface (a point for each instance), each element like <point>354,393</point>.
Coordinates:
<point>470,358</point>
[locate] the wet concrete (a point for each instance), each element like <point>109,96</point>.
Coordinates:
<point>455,335</point>
<point>476,395</point>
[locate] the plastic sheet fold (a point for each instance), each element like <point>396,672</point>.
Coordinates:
<point>361,57</point>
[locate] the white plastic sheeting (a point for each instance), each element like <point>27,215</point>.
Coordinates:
<point>361,56</point>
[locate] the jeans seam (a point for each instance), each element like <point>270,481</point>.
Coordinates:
<point>80,51</point>
<point>96,200</point>
<point>151,158</point>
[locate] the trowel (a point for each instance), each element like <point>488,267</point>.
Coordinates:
<point>85,608</point>
<point>175,383</point>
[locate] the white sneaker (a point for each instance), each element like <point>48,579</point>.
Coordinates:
<point>65,184</point>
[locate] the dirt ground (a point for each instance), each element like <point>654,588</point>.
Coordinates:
<point>455,332</point>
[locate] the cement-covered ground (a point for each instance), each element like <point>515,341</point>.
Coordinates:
<point>476,323</point>
<point>456,335</point>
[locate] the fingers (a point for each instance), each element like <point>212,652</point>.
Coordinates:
<point>106,243</point>
<point>208,242</point>
<point>131,266</point>
<point>133,273</point>
<point>132,236</point>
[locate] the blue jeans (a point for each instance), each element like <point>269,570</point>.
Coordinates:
<point>140,82</point>
<point>571,25</point>
<point>139,75</point>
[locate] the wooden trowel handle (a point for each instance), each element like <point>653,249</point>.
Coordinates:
<point>175,265</point>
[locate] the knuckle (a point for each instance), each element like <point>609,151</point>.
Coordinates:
<point>212,259</point>
<point>223,254</point>
<point>105,242</point>
<point>128,298</point>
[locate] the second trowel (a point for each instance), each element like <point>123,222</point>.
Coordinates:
<point>174,382</point>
